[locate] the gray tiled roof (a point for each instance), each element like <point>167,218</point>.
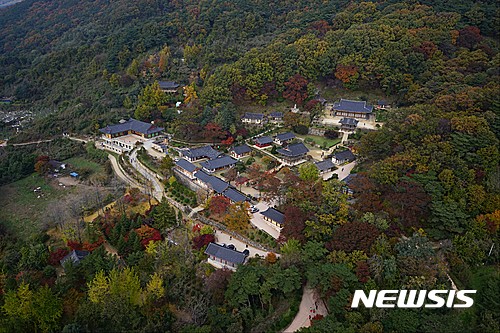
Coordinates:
<point>168,85</point>
<point>215,183</point>
<point>349,121</point>
<point>240,150</point>
<point>352,106</point>
<point>348,180</point>
<point>74,256</point>
<point>285,136</point>
<point>131,124</point>
<point>234,195</point>
<point>200,152</point>
<point>256,116</point>
<point>345,155</point>
<point>264,140</point>
<point>294,150</point>
<point>220,162</point>
<point>324,165</point>
<point>274,215</point>
<point>225,253</point>
<point>276,115</point>
<point>186,165</point>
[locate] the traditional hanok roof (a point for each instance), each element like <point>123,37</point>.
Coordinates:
<point>74,256</point>
<point>345,155</point>
<point>274,215</point>
<point>253,116</point>
<point>325,165</point>
<point>352,106</point>
<point>285,136</point>
<point>349,121</point>
<point>294,150</point>
<point>225,253</point>
<point>276,115</point>
<point>168,85</point>
<point>131,125</point>
<point>200,152</point>
<point>348,180</point>
<point>382,102</point>
<point>186,165</point>
<point>240,150</point>
<point>263,140</point>
<point>215,183</point>
<point>220,162</point>
<point>234,195</point>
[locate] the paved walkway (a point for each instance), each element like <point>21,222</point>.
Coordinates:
<point>121,174</point>
<point>309,303</point>
<point>157,186</point>
<point>344,170</point>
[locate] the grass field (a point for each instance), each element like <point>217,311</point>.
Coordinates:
<point>82,163</point>
<point>21,209</point>
<point>321,140</point>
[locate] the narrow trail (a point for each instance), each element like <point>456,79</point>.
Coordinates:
<point>308,304</point>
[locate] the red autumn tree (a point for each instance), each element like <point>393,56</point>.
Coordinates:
<point>362,271</point>
<point>346,73</point>
<point>219,205</point>
<point>408,203</point>
<point>295,223</point>
<point>228,141</point>
<point>353,236</point>
<point>56,256</point>
<point>147,234</point>
<point>202,240</point>
<point>321,27</point>
<point>217,283</point>
<point>366,194</point>
<point>427,49</point>
<point>296,89</point>
<point>469,37</point>
<point>213,132</point>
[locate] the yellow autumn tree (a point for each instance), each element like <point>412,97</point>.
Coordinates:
<point>238,218</point>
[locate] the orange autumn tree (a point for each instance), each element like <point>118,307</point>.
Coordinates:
<point>348,74</point>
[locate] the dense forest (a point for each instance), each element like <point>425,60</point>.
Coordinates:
<point>426,193</point>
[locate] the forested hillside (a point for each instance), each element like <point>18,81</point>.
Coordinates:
<point>60,56</point>
<point>425,209</point>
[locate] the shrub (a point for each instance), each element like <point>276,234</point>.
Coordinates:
<point>301,129</point>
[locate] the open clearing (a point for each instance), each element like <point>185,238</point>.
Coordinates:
<point>22,209</point>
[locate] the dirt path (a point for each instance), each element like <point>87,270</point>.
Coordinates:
<point>29,143</point>
<point>307,305</point>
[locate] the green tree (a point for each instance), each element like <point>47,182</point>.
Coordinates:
<point>133,69</point>
<point>308,172</point>
<point>164,215</point>
<point>166,166</point>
